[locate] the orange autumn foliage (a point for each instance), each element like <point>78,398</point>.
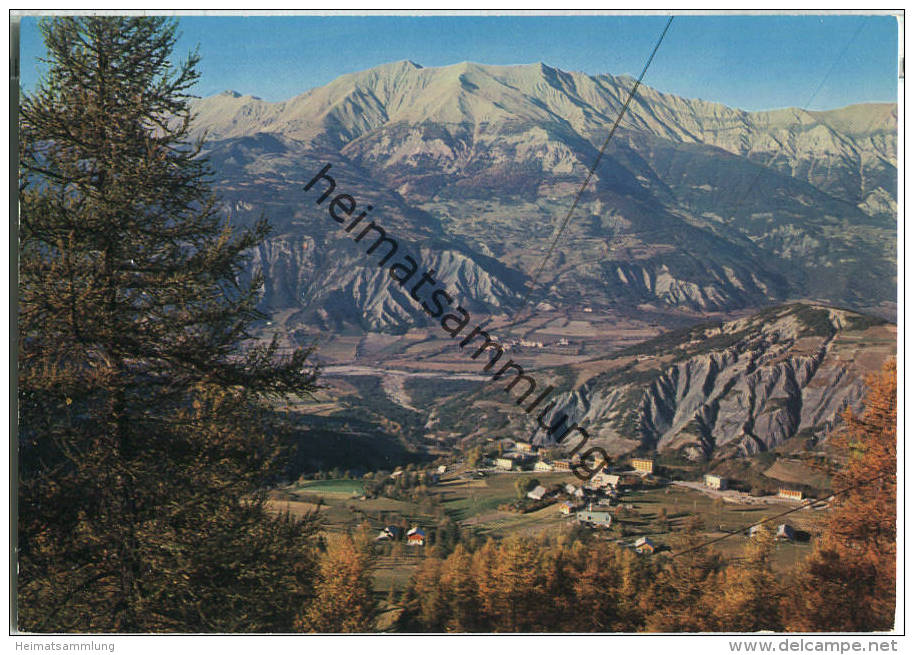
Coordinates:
<point>848,583</point>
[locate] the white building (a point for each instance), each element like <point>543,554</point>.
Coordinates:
<point>715,482</point>
<point>595,518</point>
<point>605,479</point>
<point>504,463</point>
<point>537,493</point>
<point>785,531</point>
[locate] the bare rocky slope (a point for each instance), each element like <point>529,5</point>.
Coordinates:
<point>709,392</point>
<point>695,205</point>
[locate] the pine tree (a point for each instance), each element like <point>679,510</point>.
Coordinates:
<point>425,605</point>
<point>483,570</point>
<point>848,583</point>
<point>343,593</point>
<point>561,565</point>
<point>460,590</point>
<point>143,401</point>
<point>675,603</point>
<point>746,596</point>
<point>597,588</point>
<point>518,602</point>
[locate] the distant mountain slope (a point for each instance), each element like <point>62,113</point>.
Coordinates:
<point>708,392</point>
<point>695,205</point>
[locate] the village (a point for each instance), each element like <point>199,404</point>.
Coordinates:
<point>593,504</point>
<point>513,487</point>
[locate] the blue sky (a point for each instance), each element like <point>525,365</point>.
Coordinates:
<point>751,62</point>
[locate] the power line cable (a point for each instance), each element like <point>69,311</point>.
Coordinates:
<point>805,107</point>
<point>752,183</point>
<point>593,168</point>
<point>515,320</point>
<point>790,511</point>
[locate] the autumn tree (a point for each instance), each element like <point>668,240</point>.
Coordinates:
<point>525,584</point>
<point>675,601</point>
<point>343,592</point>
<point>460,592</point>
<point>143,401</point>
<point>848,583</point>
<point>523,485</point>
<point>424,602</point>
<point>746,596</point>
<point>475,457</point>
<point>515,598</point>
<point>598,589</point>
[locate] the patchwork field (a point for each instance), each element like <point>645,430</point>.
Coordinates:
<point>663,514</point>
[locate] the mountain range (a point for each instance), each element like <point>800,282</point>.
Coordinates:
<point>694,205</point>
<point>696,211</point>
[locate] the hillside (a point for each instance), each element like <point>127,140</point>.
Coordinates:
<point>713,391</point>
<point>695,206</point>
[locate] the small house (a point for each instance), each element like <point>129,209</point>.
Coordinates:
<point>598,477</point>
<point>785,531</point>
<point>504,463</point>
<point>569,489</point>
<point>442,469</point>
<point>645,546</point>
<point>391,532</point>
<point>595,518</point>
<point>643,465</point>
<point>415,537</point>
<point>512,461</point>
<point>537,493</point>
<point>630,480</point>
<point>568,508</point>
<point>715,482</point>
<point>543,467</point>
<point>524,447</point>
<point>606,479</point>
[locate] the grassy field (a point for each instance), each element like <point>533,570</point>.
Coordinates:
<point>719,519</point>
<point>346,487</point>
<point>474,503</point>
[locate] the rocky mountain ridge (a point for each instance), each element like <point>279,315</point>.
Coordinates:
<point>714,391</point>
<point>695,204</point>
